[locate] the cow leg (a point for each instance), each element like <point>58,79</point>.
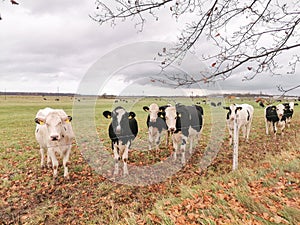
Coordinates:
<point>267,127</point>
<point>167,138</point>
<point>248,128</point>
<point>150,138</point>
<point>65,162</point>
<point>175,145</point>
<point>51,152</point>
<point>48,159</point>
<point>125,159</point>
<point>182,149</point>
<point>157,140</point>
<point>244,130</point>
<point>191,144</point>
<point>116,159</point>
<point>43,157</point>
<point>274,129</point>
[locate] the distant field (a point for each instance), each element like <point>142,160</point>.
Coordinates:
<point>265,189</point>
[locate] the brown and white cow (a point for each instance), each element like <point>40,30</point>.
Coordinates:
<point>54,134</point>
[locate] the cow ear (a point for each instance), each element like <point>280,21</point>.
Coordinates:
<point>146,108</point>
<point>226,107</point>
<point>107,114</point>
<point>162,108</point>
<point>68,119</point>
<point>161,115</point>
<point>39,121</point>
<point>131,115</point>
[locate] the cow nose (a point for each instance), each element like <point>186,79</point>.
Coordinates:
<point>172,129</point>
<point>54,137</point>
<point>118,130</point>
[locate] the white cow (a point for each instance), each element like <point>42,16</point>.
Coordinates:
<point>244,115</point>
<point>54,133</point>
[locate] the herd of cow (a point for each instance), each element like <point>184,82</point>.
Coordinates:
<point>184,123</point>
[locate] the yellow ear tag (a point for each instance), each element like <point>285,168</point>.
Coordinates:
<point>161,116</point>
<point>130,117</point>
<point>67,121</point>
<point>179,115</point>
<point>41,122</point>
<point>108,116</point>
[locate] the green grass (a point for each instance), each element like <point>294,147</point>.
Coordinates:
<point>264,189</point>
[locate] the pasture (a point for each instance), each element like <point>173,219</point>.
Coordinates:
<point>264,190</point>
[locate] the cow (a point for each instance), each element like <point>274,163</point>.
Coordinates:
<point>185,124</point>
<point>156,125</point>
<point>243,113</point>
<point>54,133</point>
<point>289,111</point>
<point>275,117</point>
<point>122,131</point>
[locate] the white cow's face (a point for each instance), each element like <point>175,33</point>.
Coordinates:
<point>153,111</point>
<point>55,125</point>
<point>280,110</point>
<point>171,117</point>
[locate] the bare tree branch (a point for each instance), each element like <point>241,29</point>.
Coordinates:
<point>251,36</point>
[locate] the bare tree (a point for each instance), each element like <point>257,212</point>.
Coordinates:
<point>12,2</point>
<point>250,36</point>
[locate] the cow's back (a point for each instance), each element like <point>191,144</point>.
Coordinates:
<point>271,114</point>
<point>189,116</point>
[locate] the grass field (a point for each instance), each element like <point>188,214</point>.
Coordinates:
<point>264,190</point>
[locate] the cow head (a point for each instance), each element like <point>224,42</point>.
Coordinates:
<point>153,111</point>
<point>171,116</point>
<point>119,118</point>
<point>280,110</point>
<point>55,123</point>
<point>232,111</point>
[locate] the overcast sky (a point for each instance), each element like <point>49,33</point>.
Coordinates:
<point>49,46</point>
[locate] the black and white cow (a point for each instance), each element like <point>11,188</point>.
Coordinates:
<point>185,124</point>
<point>289,111</point>
<point>275,117</point>
<point>122,131</point>
<point>243,113</point>
<point>156,125</point>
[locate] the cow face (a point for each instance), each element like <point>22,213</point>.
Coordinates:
<point>119,118</point>
<point>55,124</point>
<point>171,117</point>
<point>280,110</point>
<point>153,111</point>
<point>232,111</point>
